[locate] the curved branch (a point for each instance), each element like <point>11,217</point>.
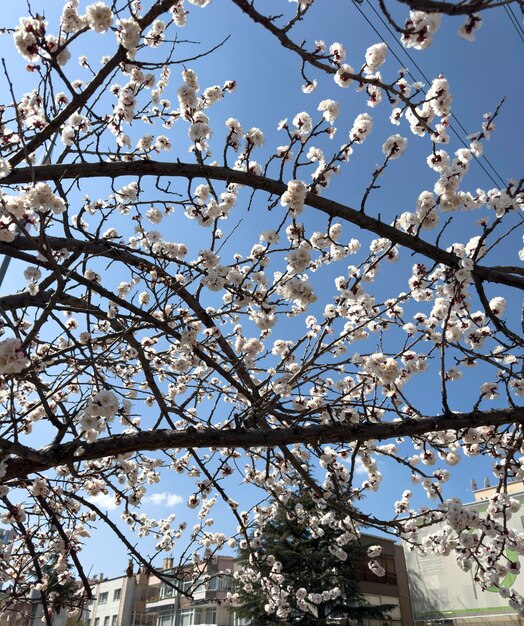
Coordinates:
<point>190,171</point>
<point>82,98</point>
<point>63,454</point>
<point>311,58</point>
<point>448,8</point>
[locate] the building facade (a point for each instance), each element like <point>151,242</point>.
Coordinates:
<point>206,587</point>
<point>392,588</point>
<point>442,593</point>
<point>119,601</point>
<point>142,599</point>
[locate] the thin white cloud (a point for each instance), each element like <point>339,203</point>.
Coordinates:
<point>360,468</point>
<point>173,499</point>
<point>156,498</point>
<point>104,501</point>
<point>164,499</point>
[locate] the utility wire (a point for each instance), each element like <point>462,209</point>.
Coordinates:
<point>453,115</point>
<point>514,22</point>
<point>414,63</point>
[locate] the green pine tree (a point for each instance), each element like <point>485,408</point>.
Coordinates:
<point>306,563</point>
<point>60,595</point>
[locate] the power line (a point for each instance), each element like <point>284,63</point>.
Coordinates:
<point>514,22</point>
<point>414,63</point>
<point>412,60</point>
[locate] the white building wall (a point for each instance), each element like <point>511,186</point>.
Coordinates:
<point>440,589</point>
<point>113,602</point>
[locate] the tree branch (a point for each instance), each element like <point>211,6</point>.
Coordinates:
<point>191,171</point>
<point>83,97</point>
<point>67,453</point>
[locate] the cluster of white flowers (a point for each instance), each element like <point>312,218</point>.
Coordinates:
<point>42,199</point>
<point>5,168</point>
<point>200,131</point>
<point>100,409</point>
<point>330,110</point>
<point>179,13</point>
<point>299,259</point>
<point>426,217</point>
<point>103,404</point>
<point>99,17</point>
<point>302,4</point>
<point>473,23</point>
<point>385,369</point>
<point>439,97</point>
<point>32,275</point>
<point>235,133</point>
<point>344,75</point>
<point>76,125</point>
<point>71,21</point>
<point>375,57</point>
<point>420,27</point>
<point>394,146</point>
<point>296,289</point>
<point>294,197</point>
<point>155,36</point>
<point>12,358</point>
<point>255,137</point>
<point>362,126</point>
<point>128,35</point>
<point>303,124</point>
<point>207,209</point>
<point>32,41</point>
<point>29,36</point>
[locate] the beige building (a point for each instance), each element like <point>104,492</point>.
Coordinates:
<point>141,599</point>
<point>119,601</point>
<point>207,586</point>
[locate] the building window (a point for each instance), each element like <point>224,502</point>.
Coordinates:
<point>198,616</point>
<point>106,620</point>
<point>113,621</point>
<point>363,572</point>
<point>165,619</point>
<point>187,617</point>
<point>166,591</point>
<point>96,622</point>
<point>206,615</point>
<point>102,598</point>
<point>199,585</point>
<point>388,563</point>
<point>222,582</point>
<point>116,594</point>
<point>394,616</point>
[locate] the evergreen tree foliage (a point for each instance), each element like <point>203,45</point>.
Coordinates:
<point>309,565</point>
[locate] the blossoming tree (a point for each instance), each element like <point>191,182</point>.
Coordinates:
<point>211,313</point>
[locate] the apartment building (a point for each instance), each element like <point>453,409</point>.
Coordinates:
<point>142,599</point>
<point>206,587</point>
<point>117,601</point>
<point>392,588</point>
<point>442,593</point>
<point>201,590</point>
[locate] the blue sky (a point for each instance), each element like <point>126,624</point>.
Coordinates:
<point>268,80</point>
